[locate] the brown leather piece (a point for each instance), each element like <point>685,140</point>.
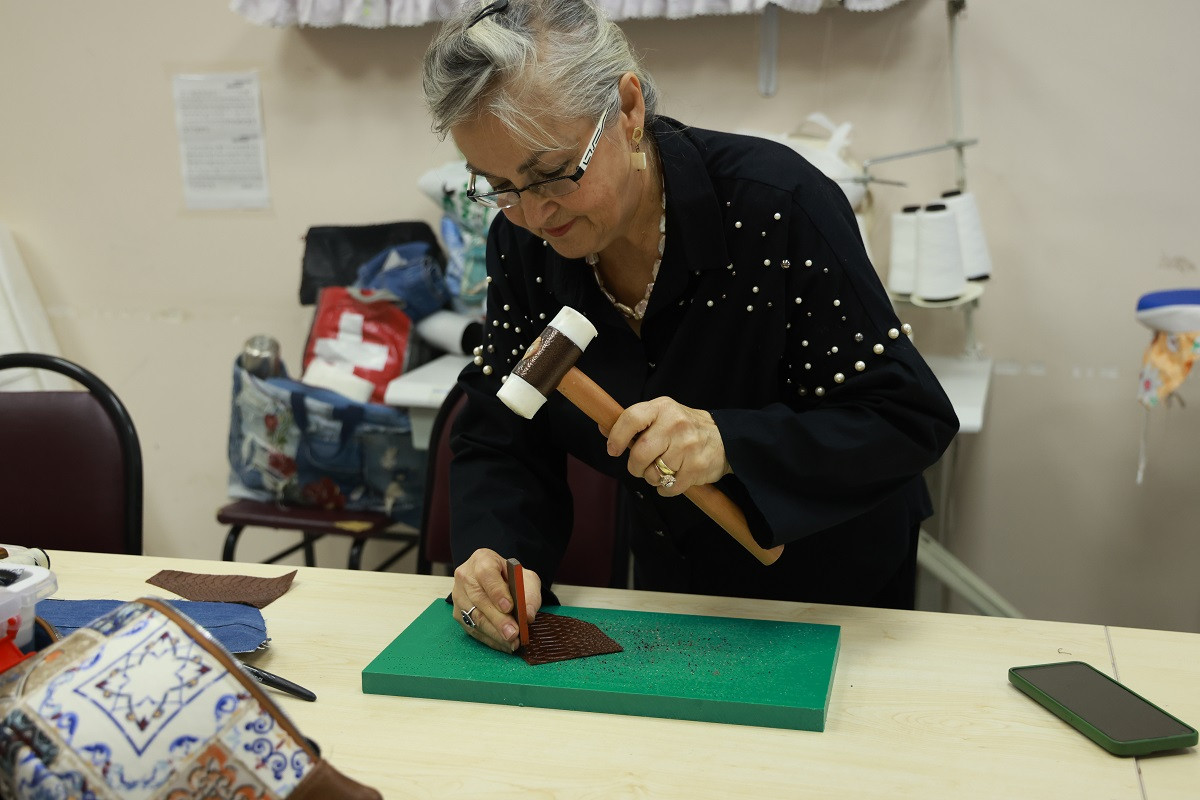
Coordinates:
<point>556,638</point>
<point>245,589</point>
<point>326,783</point>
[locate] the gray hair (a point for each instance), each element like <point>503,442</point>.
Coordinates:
<point>562,58</point>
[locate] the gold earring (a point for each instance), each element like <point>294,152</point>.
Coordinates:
<point>637,159</point>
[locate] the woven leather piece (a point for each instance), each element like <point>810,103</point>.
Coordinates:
<point>245,589</point>
<point>556,638</point>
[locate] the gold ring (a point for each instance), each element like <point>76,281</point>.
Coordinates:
<point>667,475</point>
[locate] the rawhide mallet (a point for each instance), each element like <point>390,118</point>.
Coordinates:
<point>550,364</point>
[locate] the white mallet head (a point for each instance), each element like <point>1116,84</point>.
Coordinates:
<point>550,357</point>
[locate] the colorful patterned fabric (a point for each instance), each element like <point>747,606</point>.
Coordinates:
<point>1166,364</point>
<point>303,445</point>
<point>140,705</point>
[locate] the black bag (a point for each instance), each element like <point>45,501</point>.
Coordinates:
<point>333,253</point>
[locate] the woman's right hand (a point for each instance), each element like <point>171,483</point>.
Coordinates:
<point>481,583</point>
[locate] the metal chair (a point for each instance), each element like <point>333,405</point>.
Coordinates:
<point>598,553</point>
<point>312,524</point>
<point>70,464</point>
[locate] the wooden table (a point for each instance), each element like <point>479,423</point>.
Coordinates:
<point>1163,667</point>
<point>921,705</point>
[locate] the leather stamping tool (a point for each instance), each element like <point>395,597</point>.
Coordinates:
<point>516,587</point>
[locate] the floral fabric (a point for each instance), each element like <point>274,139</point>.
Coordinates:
<point>136,706</point>
<point>1166,364</point>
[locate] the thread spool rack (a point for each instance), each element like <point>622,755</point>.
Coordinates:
<point>969,301</point>
<point>933,556</point>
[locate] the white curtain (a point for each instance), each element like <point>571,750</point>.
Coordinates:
<point>381,13</point>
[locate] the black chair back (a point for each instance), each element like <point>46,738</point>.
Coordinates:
<point>598,553</point>
<point>70,464</point>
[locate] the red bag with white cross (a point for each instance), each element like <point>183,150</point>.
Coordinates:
<point>358,342</point>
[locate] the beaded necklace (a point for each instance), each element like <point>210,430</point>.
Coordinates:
<point>639,310</point>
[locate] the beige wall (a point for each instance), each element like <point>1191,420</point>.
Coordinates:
<point>1083,174</point>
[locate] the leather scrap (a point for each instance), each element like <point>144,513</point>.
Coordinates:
<point>556,638</point>
<point>245,589</point>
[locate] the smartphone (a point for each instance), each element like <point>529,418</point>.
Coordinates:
<point>1119,720</point>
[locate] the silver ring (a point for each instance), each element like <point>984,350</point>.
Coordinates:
<point>666,474</point>
<point>466,617</point>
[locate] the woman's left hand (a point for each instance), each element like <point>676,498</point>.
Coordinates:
<point>685,440</point>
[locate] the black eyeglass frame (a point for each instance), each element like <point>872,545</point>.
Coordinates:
<point>492,199</point>
<point>491,8</point>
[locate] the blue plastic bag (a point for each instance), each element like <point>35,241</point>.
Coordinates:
<point>466,266</point>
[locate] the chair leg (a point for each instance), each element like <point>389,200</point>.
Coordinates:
<point>356,549</point>
<point>231,540</point>
<point>307,539</point>
<point>310,555</point>
<point>407,548</point>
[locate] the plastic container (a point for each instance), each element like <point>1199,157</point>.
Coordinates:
<point>12,555</point>
<point>32,584</point>
<point>10,606</point>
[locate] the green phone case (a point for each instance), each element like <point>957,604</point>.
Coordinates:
<point>1131,747</point>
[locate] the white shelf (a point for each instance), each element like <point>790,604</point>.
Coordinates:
<point>966,381</point>
<point>423,391</point>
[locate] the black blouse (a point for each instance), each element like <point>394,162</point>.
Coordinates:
<point>766,312</point>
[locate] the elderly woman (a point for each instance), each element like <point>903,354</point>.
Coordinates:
<point>741,326</point>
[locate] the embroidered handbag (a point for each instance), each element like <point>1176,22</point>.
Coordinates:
<point>302,445</point>
<point>143,705</point>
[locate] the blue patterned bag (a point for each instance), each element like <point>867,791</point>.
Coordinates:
<point>141,704</point>
<point>302,445</point>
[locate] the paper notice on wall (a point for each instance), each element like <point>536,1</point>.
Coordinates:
<point>219,119</point>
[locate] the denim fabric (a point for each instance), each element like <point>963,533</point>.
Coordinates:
<point>410,272</point>
<point>240,628</point>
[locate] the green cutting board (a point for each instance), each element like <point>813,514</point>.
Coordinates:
<point>678,666</point>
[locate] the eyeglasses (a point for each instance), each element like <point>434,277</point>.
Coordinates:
<point>551,187</point>
<point>492,8</point>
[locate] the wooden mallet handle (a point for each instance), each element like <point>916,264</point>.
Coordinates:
<point>549,364</point>
<point>586,395</point>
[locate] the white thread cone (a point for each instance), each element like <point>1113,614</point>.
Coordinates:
<point>939,258</point>
<point>902,263</point>
<point>977,261</point>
